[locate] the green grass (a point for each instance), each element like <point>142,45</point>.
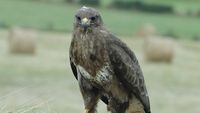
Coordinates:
<point>44,83</point>
<point>38,15</point>
<point>59,17</point>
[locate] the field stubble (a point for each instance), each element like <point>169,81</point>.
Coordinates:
<point>43,83</point>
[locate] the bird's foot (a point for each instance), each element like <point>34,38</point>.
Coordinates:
<point>86,111</point>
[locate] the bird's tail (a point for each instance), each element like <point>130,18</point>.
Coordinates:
<point>147,111</point>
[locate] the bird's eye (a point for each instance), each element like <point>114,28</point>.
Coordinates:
<point>93,18</point>
<point>78,18</point>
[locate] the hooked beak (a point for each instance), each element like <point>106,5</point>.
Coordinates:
<point>85,22</point>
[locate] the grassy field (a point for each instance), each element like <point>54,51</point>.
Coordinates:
<point>44,83</point>
<point>59,17</point>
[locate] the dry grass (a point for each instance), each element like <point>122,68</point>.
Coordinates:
<point>44,83</point>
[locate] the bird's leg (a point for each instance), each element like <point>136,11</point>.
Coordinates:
<point>115,106</point>
<point>90,102</point>
<point>86,111</point>
<point>90,96</point>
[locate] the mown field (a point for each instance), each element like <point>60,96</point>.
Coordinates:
<point>44,83</point>
<point>56,16</point>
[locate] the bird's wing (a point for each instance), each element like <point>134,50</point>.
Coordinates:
<point>74,70</point>
<point>127,69</point>
<point>73,67</point>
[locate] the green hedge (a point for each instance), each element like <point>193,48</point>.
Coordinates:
<point>141,6</point>
<point>90,2</point>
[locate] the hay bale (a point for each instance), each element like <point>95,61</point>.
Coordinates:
<point>180,13</point>
<point>160,49</point>
<point>22,40</point>
<point>146,30</point>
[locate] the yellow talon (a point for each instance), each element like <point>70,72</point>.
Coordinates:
<point>86,111</point>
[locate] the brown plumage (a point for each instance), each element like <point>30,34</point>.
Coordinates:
<point>105,67</point>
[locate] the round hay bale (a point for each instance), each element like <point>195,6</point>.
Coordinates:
<point>180,13</point>
<point>146,30</point>
<point>159,49</point>
<point>22,40</point>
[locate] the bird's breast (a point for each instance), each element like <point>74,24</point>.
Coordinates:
<point>102,77</point>
<point>89,52</point>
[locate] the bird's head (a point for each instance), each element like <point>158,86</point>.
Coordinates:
<point>87,18</point>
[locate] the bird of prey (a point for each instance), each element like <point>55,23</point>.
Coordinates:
<point>105,67</point>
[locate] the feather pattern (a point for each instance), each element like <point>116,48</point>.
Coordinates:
<point>106,68</point>
<point>127,69</point>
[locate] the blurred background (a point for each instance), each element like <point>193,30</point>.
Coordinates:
<point>35,76</point>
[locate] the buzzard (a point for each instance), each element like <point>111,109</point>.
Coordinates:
<point>105,67</point>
